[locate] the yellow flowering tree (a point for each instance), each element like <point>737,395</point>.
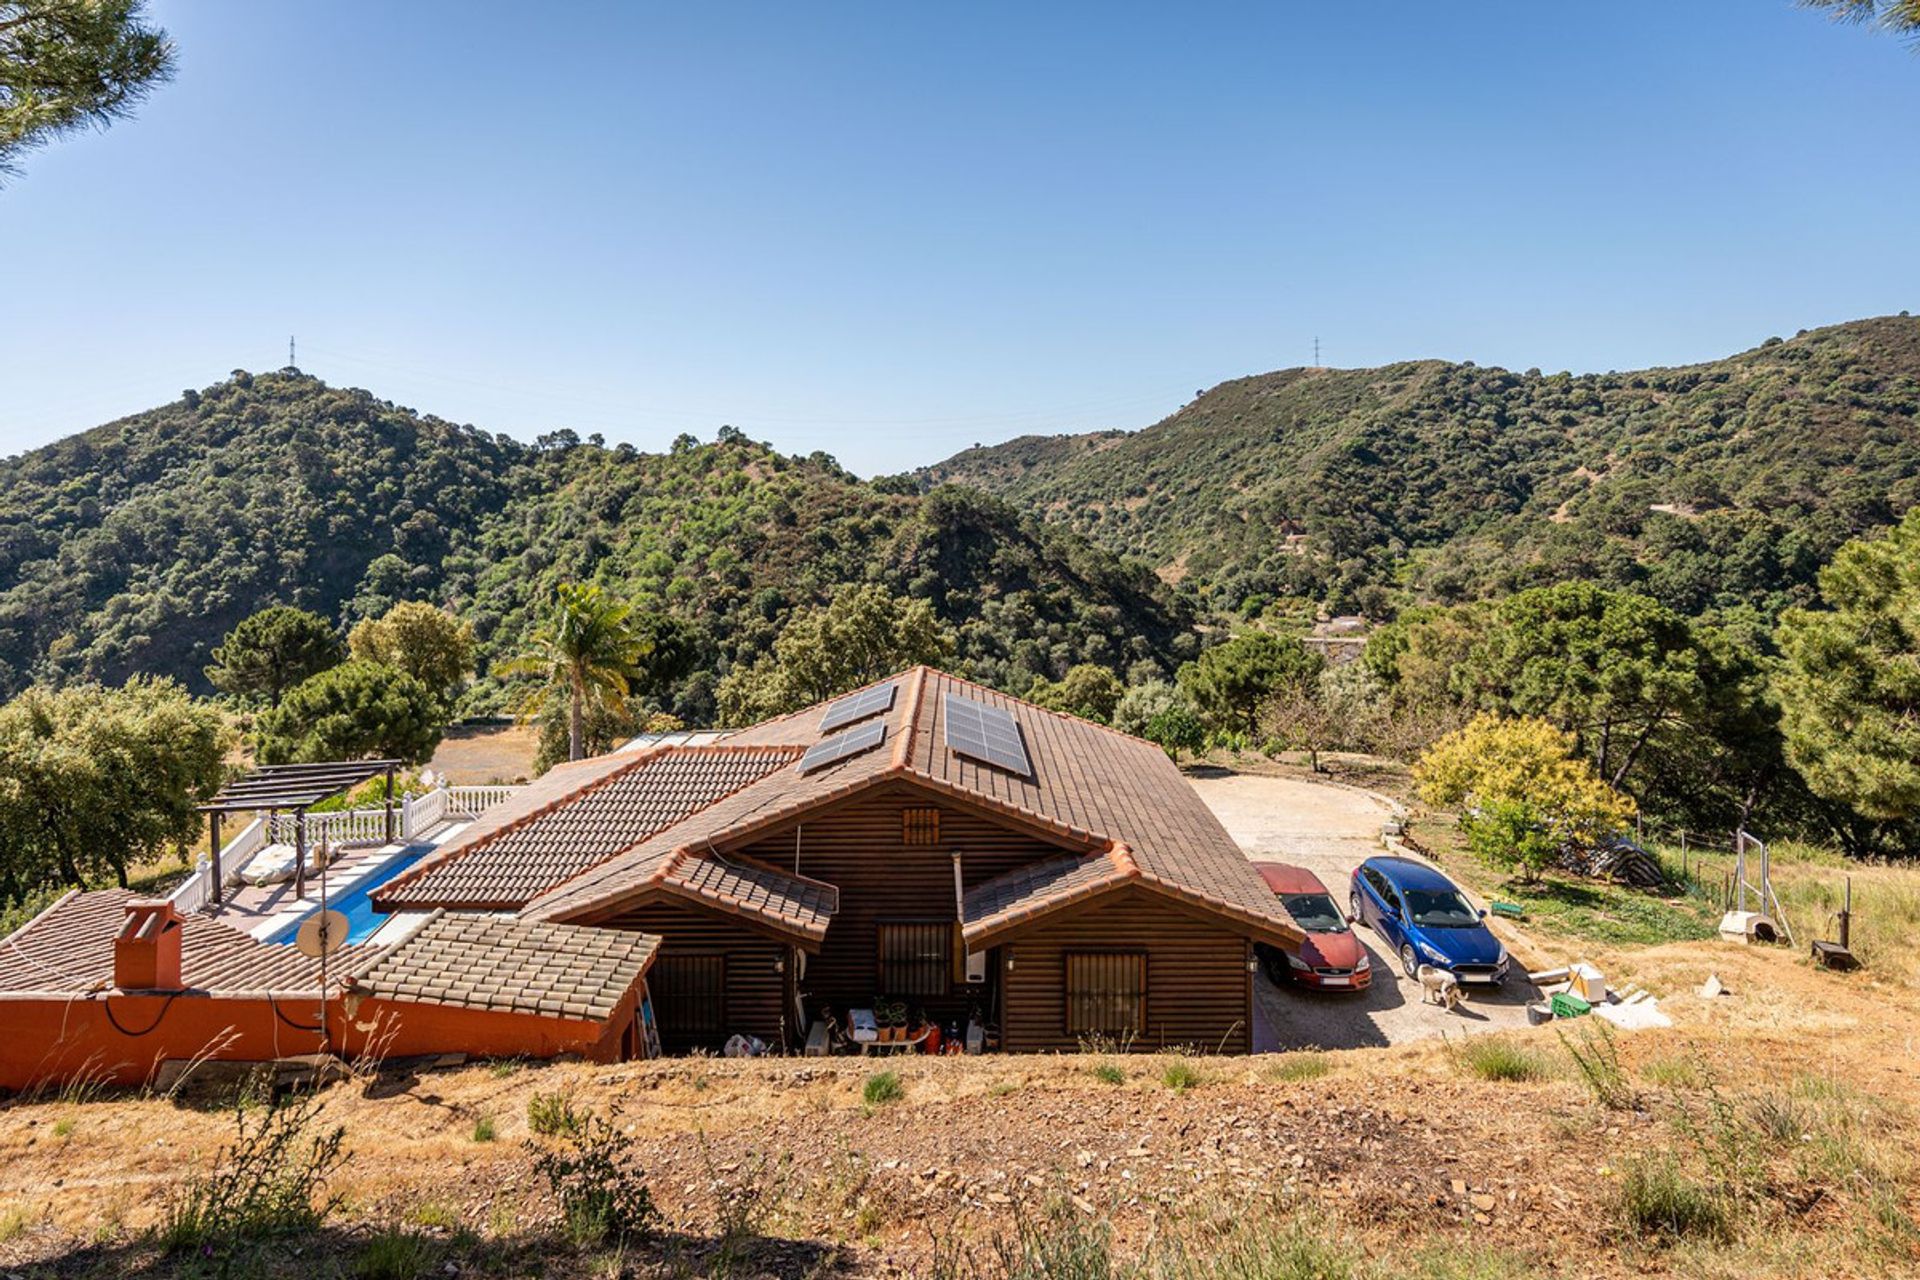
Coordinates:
<point>1523,792</point>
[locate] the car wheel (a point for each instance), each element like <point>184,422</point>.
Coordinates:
<point>1353,904</point>
<point>1409,961</point>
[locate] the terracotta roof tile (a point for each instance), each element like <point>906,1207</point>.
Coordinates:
<point>496,962</point>
<point>1039,887</point>
<point>538,842</point>
<point>801,904</point>
<point>68,950</point>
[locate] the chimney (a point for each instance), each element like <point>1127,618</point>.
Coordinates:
<point>146,955</point>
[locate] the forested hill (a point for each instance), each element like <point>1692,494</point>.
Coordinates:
<point>135,546</point>
<point>1706,486</point>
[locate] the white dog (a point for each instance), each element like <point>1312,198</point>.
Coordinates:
<point>1437,986</point>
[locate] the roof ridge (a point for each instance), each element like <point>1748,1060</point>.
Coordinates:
<point>731,749</point>
<point>1049,711</point>
<point>748,860</point>
<point>909,722</point>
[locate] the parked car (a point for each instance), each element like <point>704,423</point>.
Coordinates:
<point>1331,956</point>
<point>1425,918</point>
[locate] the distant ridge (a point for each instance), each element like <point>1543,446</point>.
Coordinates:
<point>1710,485</point>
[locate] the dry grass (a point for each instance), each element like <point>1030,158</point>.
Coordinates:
<point>1790,1105</point>
<point>858,1173</point>
<point>478,755</point>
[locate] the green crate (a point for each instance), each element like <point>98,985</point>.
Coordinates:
<point>1512,910</point>
<point>1568,1005</point>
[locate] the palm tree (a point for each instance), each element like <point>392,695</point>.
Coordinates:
<point>1902,17</point>
<point>585,649</point>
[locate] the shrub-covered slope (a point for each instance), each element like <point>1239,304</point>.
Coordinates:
<point>1706,486</point>
<point>135,546</point>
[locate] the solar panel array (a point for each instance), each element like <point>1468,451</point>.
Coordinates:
<point>858,706</point>
<point>840,746</point>
<point>986,734</point>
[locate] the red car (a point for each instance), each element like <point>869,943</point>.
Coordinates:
<point>1331,957</point>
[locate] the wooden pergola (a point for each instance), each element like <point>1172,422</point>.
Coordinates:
<point>292,788</point>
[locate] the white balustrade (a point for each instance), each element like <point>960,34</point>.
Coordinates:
<point>414,816</point>
<point>471,802</point>
<point>196,891</point>
<point>424,812</point>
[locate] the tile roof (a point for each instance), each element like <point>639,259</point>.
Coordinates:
<point>1012,901</point>
<point>1039,887</point>
<point>797,903</point>
<point>1091,788</point>
<point>545,837</point>
<point>515,966</point>
<point>67,950</point>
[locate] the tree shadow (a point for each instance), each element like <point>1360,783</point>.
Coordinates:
<point>340,1251</point>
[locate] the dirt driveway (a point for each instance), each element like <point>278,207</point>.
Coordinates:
<point>1330,829</point>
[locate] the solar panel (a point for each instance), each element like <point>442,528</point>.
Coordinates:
<point>840,746</point>
<point>858,706</point>
<point>986,734</point>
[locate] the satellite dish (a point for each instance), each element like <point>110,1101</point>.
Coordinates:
<point>322,934</point>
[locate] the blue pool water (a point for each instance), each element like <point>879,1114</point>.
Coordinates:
<point>355,902</point>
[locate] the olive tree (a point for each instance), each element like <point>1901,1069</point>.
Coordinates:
<point>96,780</point>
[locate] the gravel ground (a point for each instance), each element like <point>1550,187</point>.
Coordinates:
<point>1330,829</point>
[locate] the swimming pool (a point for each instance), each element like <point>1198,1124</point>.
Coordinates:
<point>356,900</point>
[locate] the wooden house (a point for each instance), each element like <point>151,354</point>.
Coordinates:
<point>926,841</point>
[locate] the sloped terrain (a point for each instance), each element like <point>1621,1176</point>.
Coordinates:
<point>1405,1160</point>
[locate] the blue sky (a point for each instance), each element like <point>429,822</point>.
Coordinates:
<point>893,230</point>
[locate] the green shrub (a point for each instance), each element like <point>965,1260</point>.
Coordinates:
<point>1181,1076</point>
<point>598,1180</point>
<point>270,1182</point>
<point>1109,1073</point>
<point>1671,1073</point>
<point>483,1129</point>
<point>882,1087</point>
<point>1659,1202</point>
<point>553,1114</point>
<point>1492,1058</point>
<point>1301,1066</point>
<point>395,1254</point>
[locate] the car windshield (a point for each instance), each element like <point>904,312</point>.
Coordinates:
<point>1440,909</point>
<point>1314,912</point>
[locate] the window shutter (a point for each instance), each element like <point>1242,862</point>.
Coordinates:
<point>1106,992</point>
<point>915,958</point>
<point>920,826</point>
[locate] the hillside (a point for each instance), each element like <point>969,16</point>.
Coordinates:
<point>1707,486</point>
<point>135,546</point>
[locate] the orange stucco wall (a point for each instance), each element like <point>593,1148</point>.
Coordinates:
<point>58,1039</point>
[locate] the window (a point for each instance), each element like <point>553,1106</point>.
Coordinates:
<point>1106,992</point>
<point>689,996</point>
<point>920,826</point>
<point>915,959</point>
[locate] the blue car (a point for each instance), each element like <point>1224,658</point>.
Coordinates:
<point>1425,919</point>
